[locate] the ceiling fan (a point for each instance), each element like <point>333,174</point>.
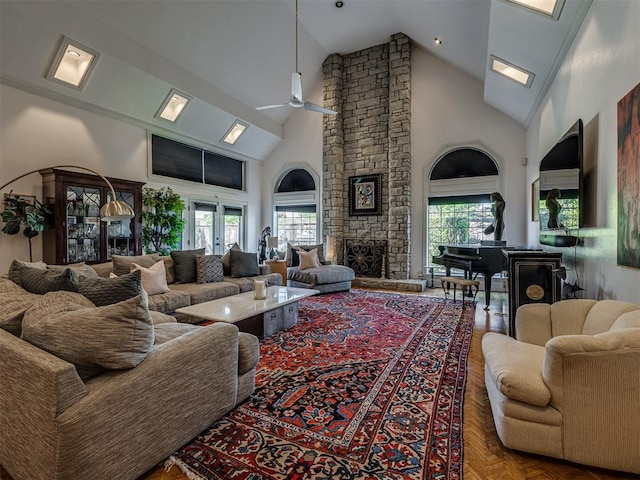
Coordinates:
<point>296,88</point>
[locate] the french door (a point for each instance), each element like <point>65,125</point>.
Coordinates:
<point>215,227</point>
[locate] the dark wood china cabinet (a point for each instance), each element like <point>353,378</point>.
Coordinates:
<point>79,234</point>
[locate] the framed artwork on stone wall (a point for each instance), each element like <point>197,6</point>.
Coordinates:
<point>365,195</point>
<point>629,179</point>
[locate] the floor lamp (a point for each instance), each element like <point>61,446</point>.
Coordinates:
<point>110,211</point>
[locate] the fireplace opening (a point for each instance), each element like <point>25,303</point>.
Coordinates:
<point>367,258</point>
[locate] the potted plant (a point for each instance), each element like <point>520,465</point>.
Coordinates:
<point>19,213</point>
<point>162,221</point>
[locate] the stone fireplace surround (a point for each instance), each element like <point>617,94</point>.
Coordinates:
<point>371,91</point>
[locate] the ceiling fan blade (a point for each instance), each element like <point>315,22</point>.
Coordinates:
<point>296,86</point>
<point>317,108</point>
<point>267,107</point>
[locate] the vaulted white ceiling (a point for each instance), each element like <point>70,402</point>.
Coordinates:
<point>234,55</point>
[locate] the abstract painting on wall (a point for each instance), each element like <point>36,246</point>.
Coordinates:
<point>629,179</point>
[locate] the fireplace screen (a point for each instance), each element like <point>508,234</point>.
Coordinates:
<point>366,257</point>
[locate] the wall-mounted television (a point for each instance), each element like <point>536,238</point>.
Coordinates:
<point>561,183</point>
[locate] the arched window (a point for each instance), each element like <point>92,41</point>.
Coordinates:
<point>459,198</point>
<point>296,207</point>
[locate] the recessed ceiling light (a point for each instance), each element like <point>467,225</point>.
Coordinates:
<point>550,8</point>
<point>72,64</point>
<point>339,4</point>
<point>511,71</point>
<point>437,41</point>
<point>234,132</point>
<point>173,105</point>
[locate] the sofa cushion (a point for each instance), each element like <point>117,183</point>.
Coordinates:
<point>203,292</point>
<point>516,368</point>
<point>169,301</point>
<point>103,270</point>
<point>184,262</point>
<point>36,280</point>
<point>170,269</point>
<point>209,269</point>
<point>16,267</point>
<point>322,275</point>
<point>122,263</point>
<point>93,338</point>
<point>226,258</point>
<point>243,264</point>
<point>158,318</point>
<point>14,302</point>
<point>107,291</point>
<point>154,278</point>
<point>246,284</point>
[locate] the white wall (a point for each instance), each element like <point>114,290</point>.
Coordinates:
<point>447,111</point>
<point>601,67</point>
<point>36,132</point>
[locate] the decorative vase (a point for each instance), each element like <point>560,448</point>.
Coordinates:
<point>260,289</point>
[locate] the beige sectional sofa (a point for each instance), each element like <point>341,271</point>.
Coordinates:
<point>154,384</point>
<point>185,294</point>
<point>569,386</point>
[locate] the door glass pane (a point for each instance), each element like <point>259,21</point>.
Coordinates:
<point>205,228</point>
<point>83,224</point>
<point>232,222</point>
<point>120,237</point>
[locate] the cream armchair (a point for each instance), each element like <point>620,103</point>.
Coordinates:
<point>569,386</point>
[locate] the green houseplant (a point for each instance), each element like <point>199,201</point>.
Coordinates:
<point>20,213</point>
<point>162,221</point>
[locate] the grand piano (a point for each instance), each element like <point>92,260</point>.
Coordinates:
<point>473,259</point>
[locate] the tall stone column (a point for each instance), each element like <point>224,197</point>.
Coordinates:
<point>333,190</point>
<point>398,239</point>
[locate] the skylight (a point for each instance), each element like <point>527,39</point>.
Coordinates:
<point>73,64</point>
<point>234,132</point>
<point>173,105</point>
<point>511,71</point>
<point>551,8</point>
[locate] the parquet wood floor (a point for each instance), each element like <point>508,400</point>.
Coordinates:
<point>485,458</point>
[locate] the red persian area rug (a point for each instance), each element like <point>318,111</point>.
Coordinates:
<point>368,385</point>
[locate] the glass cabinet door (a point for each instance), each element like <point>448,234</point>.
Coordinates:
<point>121,234</point>
<point>83,224</point>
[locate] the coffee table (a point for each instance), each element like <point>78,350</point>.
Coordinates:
<point>263,318</point>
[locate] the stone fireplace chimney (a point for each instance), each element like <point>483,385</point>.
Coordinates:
<point>371,91</point>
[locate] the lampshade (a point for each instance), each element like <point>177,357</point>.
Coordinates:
<point>110,211</point>
<point>331,248</point>
<point>272,242</point>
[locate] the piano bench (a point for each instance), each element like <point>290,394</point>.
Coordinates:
<point>464,284</point>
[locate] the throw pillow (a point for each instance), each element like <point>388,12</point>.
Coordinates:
<point>16,267</point>
<point>184,262</point>
<point>226,258</point>
<point>308,259</point>
<point>36,280</point>
<point>209,268</point>
<point>81,269</point>
<point>291,256</point>
<point>243,264</point>
<point>93,338</point>
<point>107,291</point>
<point>154,278</point>
<point>122,263</point>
